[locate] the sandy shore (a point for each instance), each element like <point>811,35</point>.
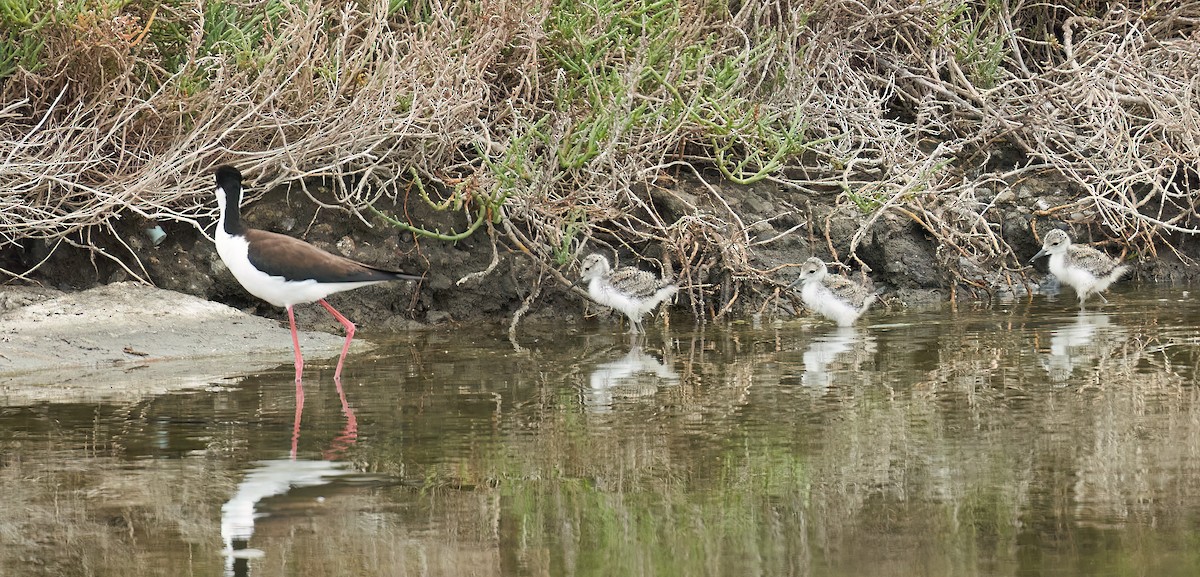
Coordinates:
<point>129,340</point>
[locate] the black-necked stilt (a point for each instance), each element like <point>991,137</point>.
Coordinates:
<point>285,271</point>
<point>630,290</point>
<point>1084,268</point>
<point>835,297</point>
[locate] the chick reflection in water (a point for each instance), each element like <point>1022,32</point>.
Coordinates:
<point>825,349</point>
<point>633,373</point>
<point>1078,344</point>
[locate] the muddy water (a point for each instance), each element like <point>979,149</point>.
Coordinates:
<point>1015,439</point>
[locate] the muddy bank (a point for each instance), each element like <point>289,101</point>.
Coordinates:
<point>124,340</point>
<point>462,285</point>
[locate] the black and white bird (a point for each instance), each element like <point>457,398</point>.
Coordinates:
<point>832,296</point>
<point>632,291</point>
<point>286,271</point>
<point>1084,268</point>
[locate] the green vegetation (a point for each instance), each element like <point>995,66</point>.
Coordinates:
<point>977,37</point>
<point>463,197</point>
<point>563,120</point>
<point>242,32</point>
<point>21,45</point>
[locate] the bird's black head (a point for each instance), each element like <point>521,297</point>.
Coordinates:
<point>228,178</point>
<point>229,197</point>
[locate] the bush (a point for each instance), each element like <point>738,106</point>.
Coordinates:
<point>553,120</point>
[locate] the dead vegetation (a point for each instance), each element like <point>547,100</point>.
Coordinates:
<point>560,127</point>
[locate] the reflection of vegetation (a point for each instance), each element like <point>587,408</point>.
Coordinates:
<point>65,510</point>
<point>900,467</point>
<point>948,457</point>
<point>666,528</point>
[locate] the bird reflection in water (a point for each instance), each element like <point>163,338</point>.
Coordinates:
<point>1078,344</point>
<point>634,371</point>
<point>824,350</point>
<point>270,478</point>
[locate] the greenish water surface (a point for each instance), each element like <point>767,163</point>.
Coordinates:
<point>1009,439</point>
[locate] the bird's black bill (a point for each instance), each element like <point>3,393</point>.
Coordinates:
<point>1039,254</point>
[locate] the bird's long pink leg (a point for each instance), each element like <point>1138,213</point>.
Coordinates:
<point>349,433</point>
<point>296,421</point>
<point>337,373</point>
<point>299,385</point>
<point>295,344</point>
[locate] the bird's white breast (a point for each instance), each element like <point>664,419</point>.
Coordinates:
<point>1078,278</point>
<point>603,292</point>
<point>822,301</point>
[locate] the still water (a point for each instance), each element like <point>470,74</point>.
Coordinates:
<point>1009,439</point>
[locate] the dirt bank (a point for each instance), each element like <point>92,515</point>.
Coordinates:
<point>919,146</point>
<point>125,340</point>
<point>784,228</point>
